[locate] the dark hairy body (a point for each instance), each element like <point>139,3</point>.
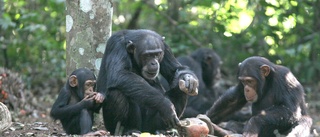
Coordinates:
<point>76,104</point>
<point>277,97</point>
<point>134,98</point>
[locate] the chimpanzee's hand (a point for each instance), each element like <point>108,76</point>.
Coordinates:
<point>189,84</point>
<point>99,98</point>
<point>88,101</point>
<point>168,114</point>
<point>171,119</point>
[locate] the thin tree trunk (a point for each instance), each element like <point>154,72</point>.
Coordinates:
<point>5,117</point>
<point>88,27</point>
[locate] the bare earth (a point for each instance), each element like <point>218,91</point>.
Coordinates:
<point>38,123</point>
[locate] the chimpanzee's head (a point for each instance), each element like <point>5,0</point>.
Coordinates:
<point>147,49</point>
<point>210,63</point>
<point>252,74</point>
<point>82,81</point>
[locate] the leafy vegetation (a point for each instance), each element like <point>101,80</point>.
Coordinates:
<point>32,33</point>
<point>33,40</point>
<point>286,32</point>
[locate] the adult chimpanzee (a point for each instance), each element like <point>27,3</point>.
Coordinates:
<point>75,104</point>
<point>205,62</point>
<point>134,98</point>
<point>277,97</point>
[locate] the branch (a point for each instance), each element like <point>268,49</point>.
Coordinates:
<point>135,17</point>
<point>174,23</point>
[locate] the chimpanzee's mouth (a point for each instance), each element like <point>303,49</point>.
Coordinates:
<point>152,73</point>
<point>251,98</point>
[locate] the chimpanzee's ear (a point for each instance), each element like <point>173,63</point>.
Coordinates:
<point>73,81</point>
<point>130,47</point>
<point>265,70</point>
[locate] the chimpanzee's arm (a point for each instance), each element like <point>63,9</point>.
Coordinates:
<point>277,116</point>
<point>179,100</point>
<point>61,108</point>
<point>170,65</point>
<point>173,71</point>
<point>139,90</point>
<point>231,101</point>
<point>118,63</point>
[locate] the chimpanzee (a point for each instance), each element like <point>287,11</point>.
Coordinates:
<point>75,104</point>
<point>205,62</point>
<point>277,97</point>
<point>134,98</point>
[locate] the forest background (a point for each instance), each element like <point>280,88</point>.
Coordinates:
<point>33,37</point>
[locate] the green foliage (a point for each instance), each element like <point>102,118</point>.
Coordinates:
<point>33,36</point>
<point>286,32</point>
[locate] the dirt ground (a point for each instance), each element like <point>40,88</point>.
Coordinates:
<point>38,123</point>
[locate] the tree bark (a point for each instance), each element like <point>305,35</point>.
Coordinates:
<point>5,117</point>
<point>88,27</point>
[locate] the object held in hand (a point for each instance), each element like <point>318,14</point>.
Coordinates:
<point>194,127</point>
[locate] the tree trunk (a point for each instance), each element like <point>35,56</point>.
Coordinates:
<point>88,27</point>
<point>5,117</point>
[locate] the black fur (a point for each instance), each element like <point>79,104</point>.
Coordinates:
<point>205,63</point>
<point>131,100</point>
<point>280,106</point>
<point>75,115</point>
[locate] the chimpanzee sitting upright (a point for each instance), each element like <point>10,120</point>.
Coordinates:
<point>75,104</point>
<point>278,104</point>
<point>205,63</point>
<point>134,98</point>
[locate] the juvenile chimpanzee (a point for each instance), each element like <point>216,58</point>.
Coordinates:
<point>75,104</point>
<point>134,98</point>
<point>205,62</point>
<point>277,97</point>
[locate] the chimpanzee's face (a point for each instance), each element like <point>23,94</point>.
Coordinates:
<point>148,53</point>
<point>89,86</point>
<point>250,88</point>
<point>252,74</point>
